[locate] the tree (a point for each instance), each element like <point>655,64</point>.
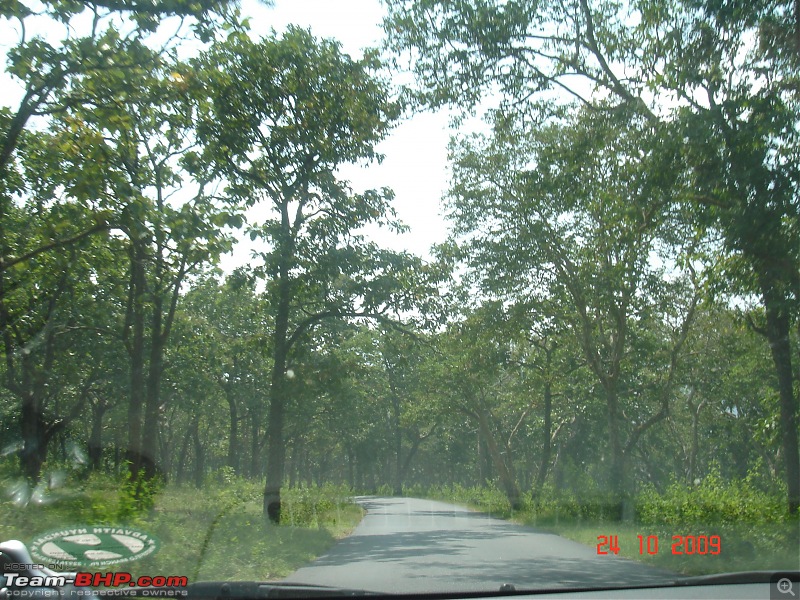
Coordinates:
<point>471,378</point>
<point>84,86</point>
<point>49,71</point>
<point>46,306</point>
<point>125,154</point>
<point>284,114</point>
<point>226,323</point>
<point>719,82</point>
<point>549,357</point>
<point>414,414</point>
<point>555,214</point>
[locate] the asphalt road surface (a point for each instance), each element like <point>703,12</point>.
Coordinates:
<point>408,545</point>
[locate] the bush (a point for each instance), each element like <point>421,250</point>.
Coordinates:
<point>710,501</point>
<point>214,532</point>
<point>309,506</point>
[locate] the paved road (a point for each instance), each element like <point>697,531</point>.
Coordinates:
<point>407,545</point>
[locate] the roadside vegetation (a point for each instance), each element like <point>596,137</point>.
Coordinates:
<point>753,531</point>
<point>214,534</point>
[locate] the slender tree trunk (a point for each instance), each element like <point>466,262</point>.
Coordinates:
<point>777,332</point>
<point>96,436</point>
<point>153,392</point>
<point>293,458</point>
<point>398,445</point>
<point>359,470</point>
<point>617,470</point>
<point>695,410</point>
<point>255,443</point>
<point>351,480</point>
<point>233,430</point>
<point>199,456</point>
<point>276,450</point>
<point>179,475</point>
<point>412,452</point>
<point>136,350</point>
<point>547,443</point>
<point>503,466</point>
<point>34,449</point>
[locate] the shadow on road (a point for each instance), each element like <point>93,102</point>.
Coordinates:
<point>414,546</point>
<point>398,546</point>
<point>441,551</point>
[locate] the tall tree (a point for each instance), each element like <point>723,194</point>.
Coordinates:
<point>284,114</point>
<point>718,80</point>
<point>126,153</point>
<point>77,82</point>
<point>556,213</point>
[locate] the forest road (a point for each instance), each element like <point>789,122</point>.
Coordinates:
<point>409,545</point>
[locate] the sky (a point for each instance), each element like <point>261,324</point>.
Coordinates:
<point>415,163</point>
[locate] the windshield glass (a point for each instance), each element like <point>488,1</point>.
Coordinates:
<point>400,296</point>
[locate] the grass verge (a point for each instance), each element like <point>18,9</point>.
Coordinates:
<point>740,549</point>
<point>214,533</point>
<point>754,531</point>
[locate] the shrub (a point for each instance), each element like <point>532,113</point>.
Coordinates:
<point>711,501</point>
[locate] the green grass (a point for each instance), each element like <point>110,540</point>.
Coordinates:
<point>214,533</point>
<point>754,530</point>
<point>742,547</point>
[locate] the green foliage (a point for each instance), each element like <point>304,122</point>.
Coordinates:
<point>565,350</point>
<point>218,532</point>
<point>486,498</point>
<point>316,505</point>
<point>714,84</point>
<point>223,533</point>
<point>754,527</point>
<point>711,501</point>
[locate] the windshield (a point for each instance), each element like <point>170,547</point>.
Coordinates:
<point>412,296</point>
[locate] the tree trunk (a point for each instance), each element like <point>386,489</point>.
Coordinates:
<point>96,436</point>
<point>153,393</point>
<point>351,479</point>
<point>504,470</point>
<point>233,431</point>
<point>255,443</point>
<point>137,379</point>
<point>617,471</point>
<point>276,450</point>
<point>199,456</point>
<point>179,475</point>
<point>34,449</point>
<point>412,452</point>
<point>777,332</point>
<point>398,446</point>
<point>359,469</point>
<point>695,449</point>
<point>547,442</point>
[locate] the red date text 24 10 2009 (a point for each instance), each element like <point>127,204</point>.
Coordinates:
<point>681,544</point>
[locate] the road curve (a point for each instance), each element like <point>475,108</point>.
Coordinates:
<point>408,545</point>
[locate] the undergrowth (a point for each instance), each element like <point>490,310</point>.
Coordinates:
<point>215,532</point>
<point>753,525</point>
